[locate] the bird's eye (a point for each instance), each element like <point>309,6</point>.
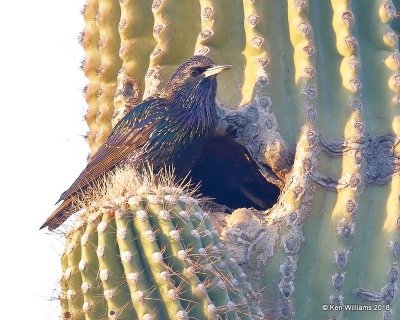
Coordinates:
<point>194,72</point>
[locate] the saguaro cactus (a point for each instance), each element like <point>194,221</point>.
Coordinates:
<point>315,79</point>
<point>148,252</point>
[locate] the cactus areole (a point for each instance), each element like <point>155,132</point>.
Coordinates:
<point>306,150</point>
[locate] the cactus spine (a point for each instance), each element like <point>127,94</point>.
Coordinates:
<point>145,252</point>
<point>135,30</point>
<point>91,64</point>
<point>318,79</point>
<point>338,212</point>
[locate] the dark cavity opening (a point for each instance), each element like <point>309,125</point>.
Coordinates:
<point>127,89</point>
<point>227,173</point>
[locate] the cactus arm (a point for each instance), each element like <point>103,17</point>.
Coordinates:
<point>151,260</point>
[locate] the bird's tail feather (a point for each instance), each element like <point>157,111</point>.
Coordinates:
<point>62,213</point>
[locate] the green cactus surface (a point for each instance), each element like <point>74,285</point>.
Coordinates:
<point>314,95</point>
<point>142,251</point>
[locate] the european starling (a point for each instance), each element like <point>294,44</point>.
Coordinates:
<point>168,129</point>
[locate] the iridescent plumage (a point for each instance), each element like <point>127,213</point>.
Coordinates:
<point>168,129</point>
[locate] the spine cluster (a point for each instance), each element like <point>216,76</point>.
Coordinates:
<point>318,79</point>
<point>151,256</point>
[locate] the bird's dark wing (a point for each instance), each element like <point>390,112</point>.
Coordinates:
<point>127,138</point>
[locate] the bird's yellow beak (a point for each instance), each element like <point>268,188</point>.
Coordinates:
<point>215,70</point>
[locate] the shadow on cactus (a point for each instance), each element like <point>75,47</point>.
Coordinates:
<point>314,97</point>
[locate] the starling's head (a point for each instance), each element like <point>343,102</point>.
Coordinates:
<point>197,70</point>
